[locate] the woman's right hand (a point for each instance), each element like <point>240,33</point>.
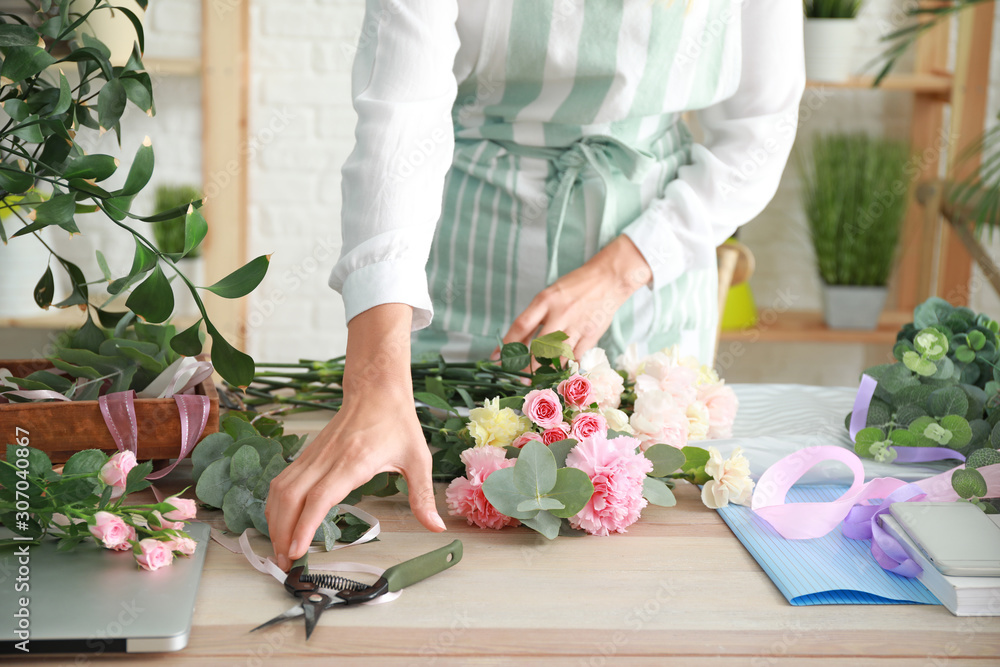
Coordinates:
<point>376,430</point>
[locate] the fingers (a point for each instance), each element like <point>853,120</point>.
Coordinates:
<point>418,481</point>
<point>523,329</point>
<point>324,495</point>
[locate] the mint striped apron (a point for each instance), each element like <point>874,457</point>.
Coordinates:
<point>553,159</point>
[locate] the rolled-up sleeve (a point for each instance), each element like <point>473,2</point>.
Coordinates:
<point>403,88</point>
<point>734,171</point>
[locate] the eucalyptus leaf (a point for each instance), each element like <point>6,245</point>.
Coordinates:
<point>665,458</point>
<point>235,506</point>
<point>214,482</point>
<point>657,493</point>
<point>573,489</point>
<point>209,450</point>
<point>245,465</point>
<point>500,490</point>
<point>560,449</point>
<point>545,523</point>
<point>535,470</point>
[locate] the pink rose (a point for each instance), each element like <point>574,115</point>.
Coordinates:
<point>465,495</point>
<point>586,424</point>
<point>542,406</point>
<point>153,554</point>
<point>658,419</point>
<point>110,530</point>
<point>185,545</point>
<point>577,390</point>
<point>617,472</point>
<point>526,437</point>
<point>158,521</point>
<point>115,471</point>
<point>184,508</point>
<point>722,405</point>
<point>555,434</point>
<point>125,545</point>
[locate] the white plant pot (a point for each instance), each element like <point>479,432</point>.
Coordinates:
<point>831,45</point>
<point>111,26</point>
<point>852,306</point>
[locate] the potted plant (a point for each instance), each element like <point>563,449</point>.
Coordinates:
<point>169,237</point>
<point>47,179</point>
<point>856,192</point>
<point>831,37</point>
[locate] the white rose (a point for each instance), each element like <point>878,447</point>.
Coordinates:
<point>730,481</point>
<point>617,420</point>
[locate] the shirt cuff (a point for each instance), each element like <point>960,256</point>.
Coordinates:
<point>396,281</point>
<point>659,246</point>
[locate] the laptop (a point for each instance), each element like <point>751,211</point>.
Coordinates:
<point>95,601</point>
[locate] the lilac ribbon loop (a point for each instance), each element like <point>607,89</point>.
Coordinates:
<point>862,523</point>
<point>859,414</point>
<point>925,454</point>
<point>118,410</point>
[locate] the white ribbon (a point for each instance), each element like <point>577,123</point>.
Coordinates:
<point>177,378</point>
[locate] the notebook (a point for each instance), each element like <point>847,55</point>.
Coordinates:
<point>95,601</point>
<point>831,569</point>
<point>963,596</point>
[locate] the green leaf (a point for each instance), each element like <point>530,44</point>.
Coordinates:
<point>44,289</point>
<point>919,365</point>
<point>136,479</point>
<point>111,104</point>
<point>140,171</point>
<point>982,457</point>
<point>102,264</point>
<point>551,346</point>
<point>961,432</point>
<point>153,299</point>
<point>245,465</point>
<point>14,180</point>
<point>188,342</point>
<point>256,512</point>
<point>573,490</point>
<point>969,483</point>
<point>535,470</point>
<point>514,357</point>
<point>666,459</point>
<point>273,468</point>
<point>139,89</point>
<point>235,507</point>
<point>865,438</point>
<point>561,449</point>
<point>22,62</point>
<point>657,493</point>
<point>214,482</point>
<point>512,402</point>
<point>28,130</point>
<point>143,260</point>
<point>965,354</point>
<point>234,366</point>
<point>329,531</point>
<point>208,451</point>
<point>433,400</point>
<point>95,167</point>
<point>545,523</point>
<point>38,461</point>
<point>195,228</point>
<point>977,339</point>
<point>948,401</point>
<point>694,458</point>
<point>500,490</point>
<point>243,280</point>
<point>65,98</point>
<point>931,343</point>
<point>15,34</point>
<point>541,503</point>
<point>59,210</point>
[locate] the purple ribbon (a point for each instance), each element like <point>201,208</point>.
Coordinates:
<point>862,523</point>
<point>859,415</point>
<point>924,454</point>
<point>118,410</point>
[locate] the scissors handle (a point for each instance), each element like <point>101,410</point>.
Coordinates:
<point>419,568</point>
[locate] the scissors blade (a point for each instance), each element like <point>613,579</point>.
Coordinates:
<point>313,605</point>
<point>291,613</point>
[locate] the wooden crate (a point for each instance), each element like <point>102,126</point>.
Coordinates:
<point>61,429</point>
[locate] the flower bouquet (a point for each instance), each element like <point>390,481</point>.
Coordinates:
<point>86,500</point>
<point>589,446</point>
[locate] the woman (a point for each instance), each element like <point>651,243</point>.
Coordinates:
<point>574,198</point>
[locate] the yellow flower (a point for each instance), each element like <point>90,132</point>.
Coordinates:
<point>494,426</point>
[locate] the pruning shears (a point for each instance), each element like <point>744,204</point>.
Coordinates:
<point>309,588</point>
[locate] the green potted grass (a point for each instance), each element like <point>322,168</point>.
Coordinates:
<point>856,192</point>
<point>831,38</point>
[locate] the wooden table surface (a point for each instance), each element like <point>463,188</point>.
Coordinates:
<point>678,588</point>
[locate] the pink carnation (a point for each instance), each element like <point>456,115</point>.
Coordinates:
<point>542,406</point>
<point>617,472</point>
<point>722,405</point>
<point>660,373</point>
<point>465,495</point>
<point>153,554</point>
<point>555,434</point>
<point>577,390</point>
<point>111,531</point>
<point>526,437</point>
<point>658,419</point>
<point>586,424</point>
<point>114,473</point>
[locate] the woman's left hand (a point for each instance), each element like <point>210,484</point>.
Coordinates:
<point>582,302</point>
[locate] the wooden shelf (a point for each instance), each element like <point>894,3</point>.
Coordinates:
<point>940,84</point>
<point>66,318</point>
<point>807,326</point>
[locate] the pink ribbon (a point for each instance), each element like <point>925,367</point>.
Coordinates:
<point>118,410</point>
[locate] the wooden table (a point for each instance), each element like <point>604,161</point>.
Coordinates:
<point>679,588</point>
